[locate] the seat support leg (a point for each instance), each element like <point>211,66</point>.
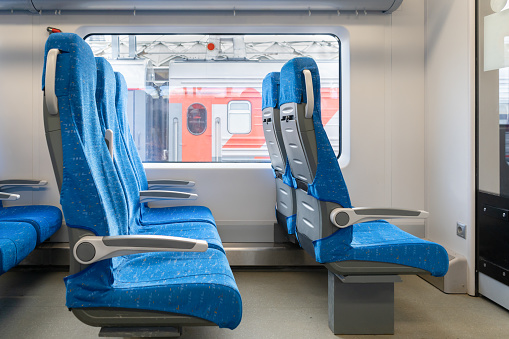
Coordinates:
<point>361,304</point>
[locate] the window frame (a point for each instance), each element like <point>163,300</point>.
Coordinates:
<point>340,32</point>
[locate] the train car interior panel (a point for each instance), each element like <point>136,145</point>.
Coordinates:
<point>252,169</point>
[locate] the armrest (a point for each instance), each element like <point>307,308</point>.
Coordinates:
<point>171,182</point>
<point>166,195</point>
<point>344,217</point>
<point>91,249</point>
<point>23,182</point>
<point>8,196</point>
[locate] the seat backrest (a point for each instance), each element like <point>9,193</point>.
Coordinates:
<point>272,123</point>
<point>125,132</point>
<point>285,184</point>
<point>106,98</point>
<point>91,194</point>
<point>314,165</point>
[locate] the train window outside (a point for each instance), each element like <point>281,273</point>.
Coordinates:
<point>196,119</point>
<point>197,98</point>
<point>239,117</point>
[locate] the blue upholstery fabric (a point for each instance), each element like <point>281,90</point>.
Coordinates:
<point>384,242</point>
<point>17,240</point>
<point>195,284</point>
<point>154,216</point>
<point>270,90</point>
<point>291,223</point>
<point>93,198</point>
<point>121,106</point>
<point>149,216</point>
<point>105,98</point>
<point>191,230</point>
<point>372,241</point>
<point>46,220</point>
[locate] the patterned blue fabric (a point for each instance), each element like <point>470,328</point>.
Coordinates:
<point>154,216</point>
<point>288,178</point>
<point>17,240</point>
<point>149,216</point>
<point>270,90</point>
<point>93,198</point>
<point>291,223</point>
<point>384,242</point>
<point>191,230</point>
<point>105,98</point>
<point>46,220</point>
<point>372,241</point>
<point>195,284</point>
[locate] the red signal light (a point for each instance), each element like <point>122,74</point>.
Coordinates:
<point>211,46</point>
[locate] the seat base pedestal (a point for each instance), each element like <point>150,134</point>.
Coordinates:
<point>361,304</point>
<point>141,332</point>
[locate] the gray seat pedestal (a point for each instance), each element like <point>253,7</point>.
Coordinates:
<point>361,304</point>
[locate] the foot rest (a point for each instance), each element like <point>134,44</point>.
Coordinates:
<point>455,281</point>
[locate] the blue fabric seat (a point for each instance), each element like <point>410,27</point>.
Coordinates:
<point>323,183</point>
<point>46,220</point>
<point>285,183</point>
<point>95,200</point>
<point>194,284</point>
<point>17,240</point>
<point>119,123</point>
<point>185,222</point>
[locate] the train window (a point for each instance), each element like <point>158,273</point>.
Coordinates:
<point>197,98</point>
<point>239,117</point>
<point>196,119</point>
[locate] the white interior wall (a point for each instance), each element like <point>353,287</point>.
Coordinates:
<point>450,125</point>
<point>387,110</point>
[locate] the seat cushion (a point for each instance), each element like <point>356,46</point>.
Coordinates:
<point>192,230</point>
<point>45,219</point>
<point>166,215</point>
<point>383,242</point>
<point>17,240</point>
<point>195,284</point>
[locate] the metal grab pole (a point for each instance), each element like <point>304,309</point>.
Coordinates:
<point>218,139</point>
<point>175,139</point>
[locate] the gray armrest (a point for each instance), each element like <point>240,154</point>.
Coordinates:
<point>8,196</point>
<point>91,249</point>
<point>344,217</point>
<point>171,182</point>
<point>165,195</point>
<point>22,182</point>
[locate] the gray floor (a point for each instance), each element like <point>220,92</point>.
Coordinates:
<point>276,305</point>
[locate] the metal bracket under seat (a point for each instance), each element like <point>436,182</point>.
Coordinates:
<point>123,317</point>
<point>361,304</point>
<point>361,295</point>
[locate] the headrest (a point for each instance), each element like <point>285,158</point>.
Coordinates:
<point>105,93</point>
<point>293,85</point>
<point>71,44</point>
<point>120,101</point>
<point>270,90</point>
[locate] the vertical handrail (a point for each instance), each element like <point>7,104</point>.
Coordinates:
<point>218,139</point>
<point>175,139</point>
